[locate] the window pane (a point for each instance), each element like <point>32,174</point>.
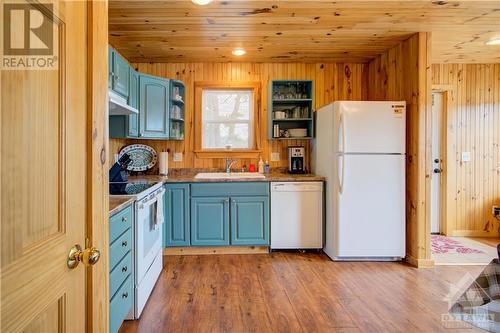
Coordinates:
<point>227,117</point>
<point>220,135</point>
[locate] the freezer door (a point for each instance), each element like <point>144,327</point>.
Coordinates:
<point>371,127</point>
<point>370,218</point>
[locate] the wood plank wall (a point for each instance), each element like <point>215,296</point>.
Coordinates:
<point>332,81</point>
<point>473,125</point>
<point>403,73</point>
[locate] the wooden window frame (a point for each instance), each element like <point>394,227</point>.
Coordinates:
<point>253,152</point>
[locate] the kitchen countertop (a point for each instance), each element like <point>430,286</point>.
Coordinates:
<point>189,177</point>
<point>118,203</point>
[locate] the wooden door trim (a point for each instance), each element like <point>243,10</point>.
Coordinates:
<point>447,92</point>
<point>97,164</point>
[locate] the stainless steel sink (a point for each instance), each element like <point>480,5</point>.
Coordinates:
<point>229,175</point>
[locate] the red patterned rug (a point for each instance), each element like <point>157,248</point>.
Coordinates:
<point>460,251</point>
<point>442,244</point>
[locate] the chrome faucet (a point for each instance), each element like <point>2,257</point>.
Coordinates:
<point>229,164</point>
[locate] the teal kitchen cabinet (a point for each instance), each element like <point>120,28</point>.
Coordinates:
<point>110,66</point>
<point>153,107</point>
<point>177,215</point>
<point>127,126</point>
<point>133,100</point>
<point>209,221</point>
<point>121,276</point>
<point>250,220</point>
<point>230,213</point>
<point>119,74</point>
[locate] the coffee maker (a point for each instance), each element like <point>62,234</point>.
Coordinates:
<point>296,159</point>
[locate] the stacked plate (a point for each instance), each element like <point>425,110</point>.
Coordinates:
<point>298,132</point>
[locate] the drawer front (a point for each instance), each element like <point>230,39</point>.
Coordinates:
<point>120,222</point>
<point>122,270</point>
<point>121,305</point>
<point>119,248</point>
<point>229,189</point>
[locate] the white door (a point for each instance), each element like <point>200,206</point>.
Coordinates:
<point>371,127</point>
<point>371,206</point>
<point>437,115</point>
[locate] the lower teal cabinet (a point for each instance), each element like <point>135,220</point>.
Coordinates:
<point>250,220</point>
<point>177,221</point>
<point>121,277</point>
<point>210,221</point>
<point>121,304</point>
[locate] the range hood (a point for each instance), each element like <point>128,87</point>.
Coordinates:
<point>118,105</point>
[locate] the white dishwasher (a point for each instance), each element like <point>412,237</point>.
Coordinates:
<point>296,215</point>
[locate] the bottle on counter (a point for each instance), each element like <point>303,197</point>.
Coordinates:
<point>266,167</point>
<point>261,165</point>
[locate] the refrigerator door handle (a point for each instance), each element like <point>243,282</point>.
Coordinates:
<point>341,134</point>
<point>341,174</point>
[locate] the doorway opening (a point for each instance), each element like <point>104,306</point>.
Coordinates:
<point>438,115</point>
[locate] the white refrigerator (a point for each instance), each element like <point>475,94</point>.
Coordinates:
<point>360,149</point>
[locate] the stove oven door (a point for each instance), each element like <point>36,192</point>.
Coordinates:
<point>149,225</point>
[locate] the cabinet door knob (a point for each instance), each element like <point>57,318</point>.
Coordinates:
<point>124,268</point>
<point>124,219</point>
<point>124,243</point>
<point>125,295</point>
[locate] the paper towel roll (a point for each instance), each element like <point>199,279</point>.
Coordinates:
<point>163,163</point>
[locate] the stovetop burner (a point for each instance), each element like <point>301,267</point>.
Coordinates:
<point>129,188</point>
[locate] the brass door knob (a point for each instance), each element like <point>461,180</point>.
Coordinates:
<point>90,256</point>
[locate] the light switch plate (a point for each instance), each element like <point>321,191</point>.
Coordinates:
<point>275,157</point>
<point>466,156</point>
<point>177,157</point>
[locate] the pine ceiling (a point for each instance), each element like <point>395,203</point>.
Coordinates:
<point>300,31</point>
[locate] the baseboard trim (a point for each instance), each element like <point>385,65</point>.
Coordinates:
<point>419,263</point>
<point>472,233</point>
<point>206,250</point>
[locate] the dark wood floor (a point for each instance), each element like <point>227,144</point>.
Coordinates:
<point>292,292</point>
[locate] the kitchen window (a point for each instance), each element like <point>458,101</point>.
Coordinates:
<point>226,120</point>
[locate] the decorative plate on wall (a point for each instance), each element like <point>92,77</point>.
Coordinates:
<point>143,157</point>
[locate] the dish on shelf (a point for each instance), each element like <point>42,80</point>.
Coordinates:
<point>297,132</point>
<point>279,114</point>
<point>143,157</point>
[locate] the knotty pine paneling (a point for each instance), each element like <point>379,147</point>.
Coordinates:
<point>473,125</point>
<point>403,73</point>
<point>332,81</point>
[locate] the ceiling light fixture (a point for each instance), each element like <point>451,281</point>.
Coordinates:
<point>238,52</point>
<point>493,41</point>
<point>201,2</point>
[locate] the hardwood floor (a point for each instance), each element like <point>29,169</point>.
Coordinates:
<point>292,292</point>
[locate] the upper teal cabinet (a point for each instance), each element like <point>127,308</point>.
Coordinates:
<point>177,95</point>
<point>160,103</point>
<point>290,106</point>
<point>119,73</point>
<point>177,221</point>
<point>133,100</point>
<point>153,107</point>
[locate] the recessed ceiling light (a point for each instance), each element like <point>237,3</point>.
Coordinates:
<point>493,41</point>
<point>201,2</point>
<point>239,52</point>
